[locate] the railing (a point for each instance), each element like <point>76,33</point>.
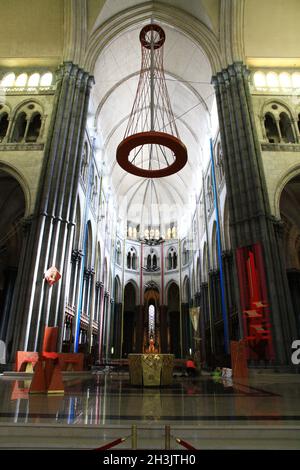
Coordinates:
<point>111,444</point>
<point>134,440</point>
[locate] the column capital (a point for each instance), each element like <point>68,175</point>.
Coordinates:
<point>89,272</point>
<point>76,255</point>
<point>231,71</point>
<point>26,223</point>
<point>279,226</point>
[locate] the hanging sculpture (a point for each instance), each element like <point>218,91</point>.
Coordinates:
<point>52,275</point>
<point>151,147</point>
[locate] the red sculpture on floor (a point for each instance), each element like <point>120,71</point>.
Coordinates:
<point>47,376</point>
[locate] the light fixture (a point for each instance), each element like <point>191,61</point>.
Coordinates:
<point>151,147</point>
<point>151,233</point>
<point>151,240</point>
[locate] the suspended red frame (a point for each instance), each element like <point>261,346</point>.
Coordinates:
<point>152,137</point>
<point>149,136</point>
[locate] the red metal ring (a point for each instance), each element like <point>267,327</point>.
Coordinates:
<point>152,137</point>
<point>152,27</point>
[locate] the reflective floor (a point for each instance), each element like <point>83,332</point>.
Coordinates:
<point>269,402</point>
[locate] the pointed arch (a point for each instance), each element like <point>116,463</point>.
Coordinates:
<point>214,248</point>
<point>198,274</point>
<point>226,228</point>
<point>117,290</point>
<point>194,29</point>
<point>205,263</point>
<point>186,290</point>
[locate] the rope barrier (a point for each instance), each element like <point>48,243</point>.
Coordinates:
<point>111,444</point>
<point>185,444</point>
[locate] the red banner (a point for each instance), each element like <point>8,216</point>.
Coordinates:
<point>254,302</point>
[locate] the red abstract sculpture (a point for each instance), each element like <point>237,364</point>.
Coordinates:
<point>52,275</point>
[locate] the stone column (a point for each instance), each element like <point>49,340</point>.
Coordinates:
<point>75,259</point>
<point>105,323</point>
<point>164,329</point>
<point>140,328</point>
<point>249,211</point>
<point>117,326</point>
<point>231,282</point>
<point>100,321</point>
<point>110,310</point>
<point>184,326</point>
<point>97,303</point>
<point>51,233</point>
<point>10,280</point>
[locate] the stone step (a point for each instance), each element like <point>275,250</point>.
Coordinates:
<point>150,436</point>
<point>27,375</point>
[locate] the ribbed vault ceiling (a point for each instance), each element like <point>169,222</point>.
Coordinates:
<point>188,75</point>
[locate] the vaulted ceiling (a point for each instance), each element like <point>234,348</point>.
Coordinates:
<point>188,76</point>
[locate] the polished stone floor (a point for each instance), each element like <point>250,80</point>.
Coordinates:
<point>261,412</point>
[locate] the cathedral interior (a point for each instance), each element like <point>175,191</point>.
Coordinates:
<point>150,207</point>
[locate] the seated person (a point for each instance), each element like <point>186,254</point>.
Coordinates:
<point>191,367</point>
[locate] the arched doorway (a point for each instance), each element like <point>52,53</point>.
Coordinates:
<point>174,320</point>
<point>290,214</point>
<point>186,321</point>
<point>12,210</point>
<point>129,321</point>
<point>116,321</point>
<point>152,340</point>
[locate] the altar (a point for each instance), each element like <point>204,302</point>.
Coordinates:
<point>151,369</point>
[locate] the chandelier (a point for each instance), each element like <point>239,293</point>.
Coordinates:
<point>151,147</point>
<point>151,237</point>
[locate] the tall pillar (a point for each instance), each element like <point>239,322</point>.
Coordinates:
<point>10,280</point>
<point>75,260</point>
<point>164,328</point>
<point>230,282</point>
<point>249,211</point>
<point>36,304</point>
<point>199,334</point>
<point>116,327</point>
<point>110,314</point>
<point>105,322</point>
<point>140,329</point>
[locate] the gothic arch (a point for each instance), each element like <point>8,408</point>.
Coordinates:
<point>186,290</point>
<point>205,263</point>
<point>14,173</point>
<point>117,290</point>
<point>214,248</point>
<point>194,29</point>
<point>12,210</point>
<point>105,273</point>
<point>88,245</point>
<point>226,231</point>
<point>78,226</point>
<point>168,285</point>
<point>98,262</point>
<point>283,181</point>
<point>24,103</point>
<point>198,274</point>
<point>136,288</point>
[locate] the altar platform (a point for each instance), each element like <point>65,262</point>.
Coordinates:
<point>150,369</point>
